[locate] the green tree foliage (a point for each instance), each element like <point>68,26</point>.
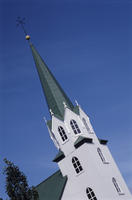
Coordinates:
<point>16,183</point>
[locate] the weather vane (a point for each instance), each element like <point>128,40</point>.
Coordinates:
<point>21,21</point>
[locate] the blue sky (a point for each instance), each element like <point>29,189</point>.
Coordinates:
<point>87,44</point>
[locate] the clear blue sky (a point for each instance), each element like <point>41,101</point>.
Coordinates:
<point>87,44</point>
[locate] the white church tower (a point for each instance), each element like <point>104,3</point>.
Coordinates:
<point>87,168</point>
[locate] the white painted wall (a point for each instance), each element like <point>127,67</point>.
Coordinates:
<point>96,174</point>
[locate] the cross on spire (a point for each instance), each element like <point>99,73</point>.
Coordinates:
<point>21,21</point>
<point>56,98</point>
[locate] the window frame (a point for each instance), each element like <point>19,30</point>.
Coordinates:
<point>86,125</point>
<point>101,155</point>
<point>75,127</point>
<point>117,187</point>
<point>77,165</point>
<point>90,194</point>
<point>62,134</point>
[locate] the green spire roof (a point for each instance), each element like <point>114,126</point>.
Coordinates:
<point>54,94</point>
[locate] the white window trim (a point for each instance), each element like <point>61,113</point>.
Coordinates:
<point>74,128</point>
<point>85,124</point>
<point>119,192</point>
<point>92,191</point>
<point>66,140</point>
<point>101,155</point>
<point>80,172</point>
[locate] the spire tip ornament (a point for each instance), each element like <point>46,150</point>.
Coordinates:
<point>21,21</point>
<point>27,37</point>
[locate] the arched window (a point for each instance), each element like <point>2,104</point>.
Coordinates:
<point>101,155</point>
<point>77,165</point>
<point>85,124</point>
<point>90,194</point>
<point>116,185</point>
<point>74,126</point>
<point>62,133</point>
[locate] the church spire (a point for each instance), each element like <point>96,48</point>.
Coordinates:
<point>55,96</point>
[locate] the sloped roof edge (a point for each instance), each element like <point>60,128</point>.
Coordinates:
<point>52,187</point>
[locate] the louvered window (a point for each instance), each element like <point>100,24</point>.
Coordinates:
<point>101,155</point>
<point>74,126</point>
<point>85,124</point>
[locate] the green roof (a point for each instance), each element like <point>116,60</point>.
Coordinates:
<point>55,96</point>
<point>52,188</point>
<point>76,110</point>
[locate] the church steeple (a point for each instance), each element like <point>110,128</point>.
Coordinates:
<point>55,96</point>
<point>83,159</point>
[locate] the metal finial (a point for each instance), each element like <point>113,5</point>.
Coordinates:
<point>21,21</point>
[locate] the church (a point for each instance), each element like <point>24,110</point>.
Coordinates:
<point>87,170</point>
